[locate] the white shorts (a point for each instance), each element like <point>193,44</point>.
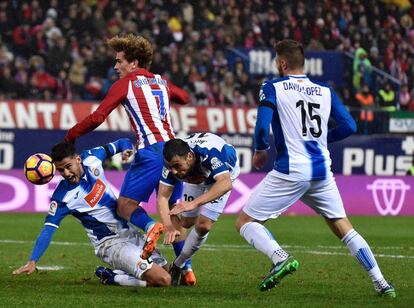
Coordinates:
<point>124,253</point>
<point>211,210</point>
<point>274,195</point>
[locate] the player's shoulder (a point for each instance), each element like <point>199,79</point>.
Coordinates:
<point>320,83</point>
<point>89,158</point>
<point>61,190</point>
<point>274,81</point>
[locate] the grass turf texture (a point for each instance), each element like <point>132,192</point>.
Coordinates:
<point>227,269</point>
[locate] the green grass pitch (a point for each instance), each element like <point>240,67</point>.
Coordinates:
<point>227,269</point>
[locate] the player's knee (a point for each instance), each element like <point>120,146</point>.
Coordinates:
<point>203,228</point>
<point>238,225</point>
<point>125,207</point>
<point>164,280</point>
<point>242,219</point>
<point>187,222</point>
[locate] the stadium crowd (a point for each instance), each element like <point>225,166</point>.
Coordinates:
<point>56,49</point>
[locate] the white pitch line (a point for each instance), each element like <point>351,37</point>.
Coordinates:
<point>50,268</point>
<point>214,247</point>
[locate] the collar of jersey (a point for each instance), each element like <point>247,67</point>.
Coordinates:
<point>140,71</point>
<point>297,76</point>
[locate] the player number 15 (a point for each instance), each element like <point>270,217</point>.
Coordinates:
<point>314,117</point>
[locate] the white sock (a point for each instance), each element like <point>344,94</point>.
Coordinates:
<point>129,281</point>
<point>362,252</point>
<point>192,243</point>
<point>260,238</point>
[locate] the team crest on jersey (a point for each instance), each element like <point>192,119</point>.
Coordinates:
<point>53,208</point>
<point>142,265</point>
<point>96,193</point>
<point>215,163</point>
<point>96,172</point>
<point>165,172</point>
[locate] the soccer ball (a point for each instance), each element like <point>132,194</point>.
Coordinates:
<point>39,169</point>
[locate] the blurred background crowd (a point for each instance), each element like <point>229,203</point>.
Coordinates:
<point>55,50</point>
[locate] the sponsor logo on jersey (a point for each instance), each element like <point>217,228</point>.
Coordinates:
<point>215,163</point>
<point>96,193</point>
<point>53,208</point>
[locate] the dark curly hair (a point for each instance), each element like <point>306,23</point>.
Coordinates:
<point>175,147</point>
<point>62,150</point>
<point>134,47</point>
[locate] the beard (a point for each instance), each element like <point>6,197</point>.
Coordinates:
<point>280,70</point>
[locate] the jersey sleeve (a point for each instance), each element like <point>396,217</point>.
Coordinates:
<point>267,94</point>
<point>178,95</point>
<point>114,97</point>
<point>267,105</point>
<point>345,124</point>
<point>57,211</point>
<point>110,149</point>
<point>42,242</point>
<point>215,163</point>
<point>167,178</point>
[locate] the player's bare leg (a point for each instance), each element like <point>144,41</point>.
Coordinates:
<point>125,207</point>
<point>157,276</point>
<point>130,210</point>
<point>360,249</point>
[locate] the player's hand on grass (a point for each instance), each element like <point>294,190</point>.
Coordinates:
<point>170,233</point>
<point>259,159</point>
<point>28,268</point>
<point>182,207</point>
<point>127,155</point>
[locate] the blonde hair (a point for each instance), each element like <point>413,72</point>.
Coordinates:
<point>134,48</point>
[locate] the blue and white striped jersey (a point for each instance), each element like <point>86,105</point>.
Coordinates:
<point>299,113</point>
<point>213,157</point>
<point>91,201</point>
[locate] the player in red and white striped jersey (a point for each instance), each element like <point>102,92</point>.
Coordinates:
<point>146,98</point>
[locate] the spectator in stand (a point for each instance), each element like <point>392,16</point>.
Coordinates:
<point>362,69</point>
<point>35,28</point>
<point>7,83</point>
<point>77,75</point>
<point>227,88</point>
<point>366,101</point>
<point>404,97</point>
<point>42,82</point>
<point>63,89</point>
<point>386,98</point>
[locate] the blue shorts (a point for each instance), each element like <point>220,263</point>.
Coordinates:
<point>145,173</point>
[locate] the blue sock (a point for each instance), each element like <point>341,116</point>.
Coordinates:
<point>177,249</point>
<point>140,218</point>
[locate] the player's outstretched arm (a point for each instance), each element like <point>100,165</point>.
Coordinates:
<point>219,188</point>
<point>164,194</point>
<point>42,242</point>
<point>112,100</point>
<point>178,95</point>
